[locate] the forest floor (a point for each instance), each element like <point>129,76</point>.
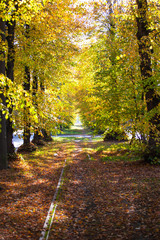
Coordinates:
<point>107,192</point>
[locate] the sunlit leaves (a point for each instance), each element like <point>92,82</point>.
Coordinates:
<point>112,74</point>
<point>48,50</point>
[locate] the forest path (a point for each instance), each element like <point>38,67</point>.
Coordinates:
<point>105,193</point>
<point>104,200</point>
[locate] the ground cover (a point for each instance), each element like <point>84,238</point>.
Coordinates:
<point>69,139</point>
<point>108,199</point>
<point>27,190</point>
<point>107,193</point>
<point>76,129</point>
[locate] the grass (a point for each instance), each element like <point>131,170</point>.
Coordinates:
<point>76,130</point>
<point>112,151</point>
<point>70,139</point>
<point>124,158</point>
<point>72,131</point>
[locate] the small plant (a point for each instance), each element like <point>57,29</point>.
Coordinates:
<point>100,149</point>
<point>115,134</point>
<point>151,155</point>
<point>155,161</point>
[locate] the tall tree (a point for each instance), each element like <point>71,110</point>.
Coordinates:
<point>151,95</point>
<point>37,138</point>
<point>27,124</point>
<point>10,74</point>
<point>46,136</point>
<point>26,87</point>
<point>3,139</point>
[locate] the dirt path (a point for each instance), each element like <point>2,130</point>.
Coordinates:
<point>106,201</point>
<point>100,199</point>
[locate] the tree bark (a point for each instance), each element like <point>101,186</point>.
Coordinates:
<point>3,139</point>
<point>145,52</point>
<point>26,86</point>
<point>113,62</point>
<point>10,75</point>
<point>46,136</point>
<point>37,138</point>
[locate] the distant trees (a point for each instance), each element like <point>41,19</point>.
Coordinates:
<point>123,70</point>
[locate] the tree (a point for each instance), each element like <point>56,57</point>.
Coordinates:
<point>3,139</point>
<point>49,52</point>
<point>10,74</point>
<point>37,138</point>
<point>149,83</point>
<point>126,75</point>
<point>26,86</point>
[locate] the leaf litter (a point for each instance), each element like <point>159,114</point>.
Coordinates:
<point>108,200</point>
<point>28,187</point>
<point>98,200</point>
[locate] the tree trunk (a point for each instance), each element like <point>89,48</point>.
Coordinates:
<point>10,75</point>
<point>46,136</point>
<point>26,86</point>
<point>113,62</point>
<point>145,51</point>
<point>3,139</point>
<point>27,146</point>
<point>37,138</point>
